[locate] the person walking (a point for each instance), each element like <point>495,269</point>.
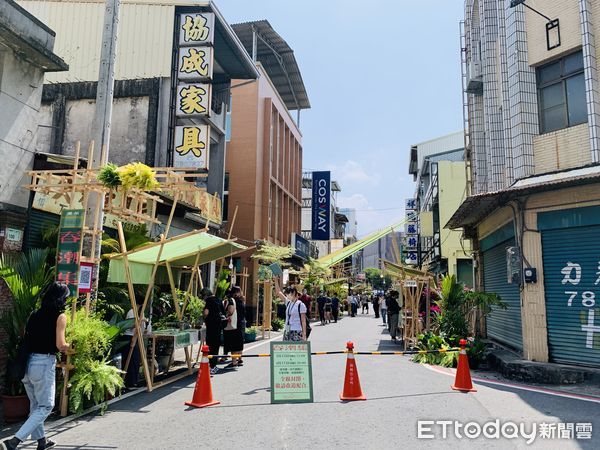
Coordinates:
<point>295,313</point>
<point>321,299</point>
<point>328,309</point>
<point>230,332</point>
<point>335,307</point>
<point>375,301</point>
<point>383,308</point>
<point>365,303</point>
<point>353,305</point>
<point>394,313</point>
<point>214,314</point>
<point>44,338</point>
<point>307,300</point>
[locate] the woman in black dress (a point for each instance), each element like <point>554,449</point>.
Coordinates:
<point>213,317</point>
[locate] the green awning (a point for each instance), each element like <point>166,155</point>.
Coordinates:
<point>179,252</point>
<point>339,255</point>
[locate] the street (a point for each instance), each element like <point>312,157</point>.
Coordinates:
<point>398,392</point>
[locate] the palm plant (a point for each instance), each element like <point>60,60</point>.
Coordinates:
<point>26,275</point>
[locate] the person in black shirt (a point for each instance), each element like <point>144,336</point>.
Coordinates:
<point>213,319</point>
<point>335,306</point>
<point>393,308</point>
<point>321,300</point>
<point>375,301</point>
<point>44,338</point>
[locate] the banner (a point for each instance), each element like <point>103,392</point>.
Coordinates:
<point>301,246</point>
<point>321,206</point>
<point>68,254</point>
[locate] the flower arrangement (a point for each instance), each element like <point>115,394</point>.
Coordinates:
<point>138,175</point>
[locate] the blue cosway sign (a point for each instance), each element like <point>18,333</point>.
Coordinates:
<point>321,206</point>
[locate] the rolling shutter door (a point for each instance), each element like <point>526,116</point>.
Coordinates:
<point>503,325</point>
<point>571,269</point>
<point>37,222</point>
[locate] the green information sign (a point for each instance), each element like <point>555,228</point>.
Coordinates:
<point>291,372</point>
<point>69,248</point>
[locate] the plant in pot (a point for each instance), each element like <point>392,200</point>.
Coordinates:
<point>93,379</point>
<point>250,334</point>
<point>163,352</point>
<point>25,275</point>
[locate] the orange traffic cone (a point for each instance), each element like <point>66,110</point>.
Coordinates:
<point>462,382</point>
<point>203,390</point>
<point>352,390</point>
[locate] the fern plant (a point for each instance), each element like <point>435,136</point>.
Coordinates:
<point>109,176</point>
<point>92,382</point>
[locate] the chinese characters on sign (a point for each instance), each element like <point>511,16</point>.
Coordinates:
<point>69,248</point>
<point>195,64</point>
<point>191,144</point>
<point>291,372</point>
<point>412,232</point>
<point>577,283</point>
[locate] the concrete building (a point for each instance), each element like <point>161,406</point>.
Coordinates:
<point>147,109</point>
<point>26,55</point>
<point>439,170</point>
<point>371,255</point>
<point>533,145</point>
<point>264,154</point>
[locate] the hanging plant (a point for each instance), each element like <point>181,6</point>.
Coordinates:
<point>109,176</point>
<point>138,175</point>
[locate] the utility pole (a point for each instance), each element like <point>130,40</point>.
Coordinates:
<point>101,123</point>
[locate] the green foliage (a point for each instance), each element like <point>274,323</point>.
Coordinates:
<point>430,341</point>
<point>315,274</point>
<point>194,311</point>
<point>109,176</point>
<point>375,279</point>
<point>92,382</point>
<point>269,253</point>
<point>223,283</point>
<point>452,319</point>
<point>252,330</point>
<point>277,324</point>
<point>26,275</point>
<point>93,378</point>
<point>138,175</point>
<point>164,310</point>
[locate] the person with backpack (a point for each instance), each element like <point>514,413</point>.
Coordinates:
<point>44,338</point>
<point>296,324</point>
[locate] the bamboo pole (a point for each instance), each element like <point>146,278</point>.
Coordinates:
<point>136,316</point>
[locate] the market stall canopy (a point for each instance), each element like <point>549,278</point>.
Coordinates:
<point>339,255</point>
<point>179,252</point>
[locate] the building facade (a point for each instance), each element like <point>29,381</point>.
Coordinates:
<point>439,170</point>
<point>533,144</point>
<point>26,55</point>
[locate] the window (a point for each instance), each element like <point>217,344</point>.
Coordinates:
<point>226,197</point>
<point>561,93</point>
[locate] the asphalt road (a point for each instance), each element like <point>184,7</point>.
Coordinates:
<point>399,393</point>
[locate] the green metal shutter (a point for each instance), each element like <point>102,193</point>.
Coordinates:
<point>37,222</point>
<point>503,325</point>
<point>573,331</point>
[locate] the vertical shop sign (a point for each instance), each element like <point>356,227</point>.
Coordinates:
<point>69,248</point>
<point>321,206</point>
<point>192,96</point>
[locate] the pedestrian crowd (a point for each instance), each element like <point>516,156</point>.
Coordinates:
<point>387,306</point>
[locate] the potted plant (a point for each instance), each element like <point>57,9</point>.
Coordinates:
<point>250,334</point>
<point>25,275</point>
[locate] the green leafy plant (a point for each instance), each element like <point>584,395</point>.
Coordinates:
<point>92,382</point>
<point>268,254</point>
<point>315,274</point>
<point>277,324</point>
<point>26,275</point>
<point>93,377</point>
<point>109,176</point>
<point>138,175</point>
<point>223,283</point>
<point>452,318</point>
<point>430,341</point>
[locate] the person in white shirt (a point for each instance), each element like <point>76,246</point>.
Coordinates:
<point>295,313</point>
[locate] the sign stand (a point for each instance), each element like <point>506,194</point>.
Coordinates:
<point>291,372</point>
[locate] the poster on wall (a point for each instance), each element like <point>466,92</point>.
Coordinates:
<point>321,206</point>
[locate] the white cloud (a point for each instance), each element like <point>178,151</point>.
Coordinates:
<point>353,173</point>
<point>369,219</point>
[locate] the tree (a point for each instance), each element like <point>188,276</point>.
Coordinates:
<point>375,279</point>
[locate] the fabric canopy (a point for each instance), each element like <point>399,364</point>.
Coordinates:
<point>179,252</point>
<point>340,255</point>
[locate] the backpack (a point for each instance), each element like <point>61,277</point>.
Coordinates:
<point>308,328</point>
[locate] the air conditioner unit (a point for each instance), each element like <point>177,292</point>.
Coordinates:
<point>474,77</point>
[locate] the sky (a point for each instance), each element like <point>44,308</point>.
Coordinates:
<point>381,75</point>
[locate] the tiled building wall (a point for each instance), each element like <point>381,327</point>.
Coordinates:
<point>563,149</point>
<point>592,84</point>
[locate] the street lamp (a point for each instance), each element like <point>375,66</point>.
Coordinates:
<point>552,26</point>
